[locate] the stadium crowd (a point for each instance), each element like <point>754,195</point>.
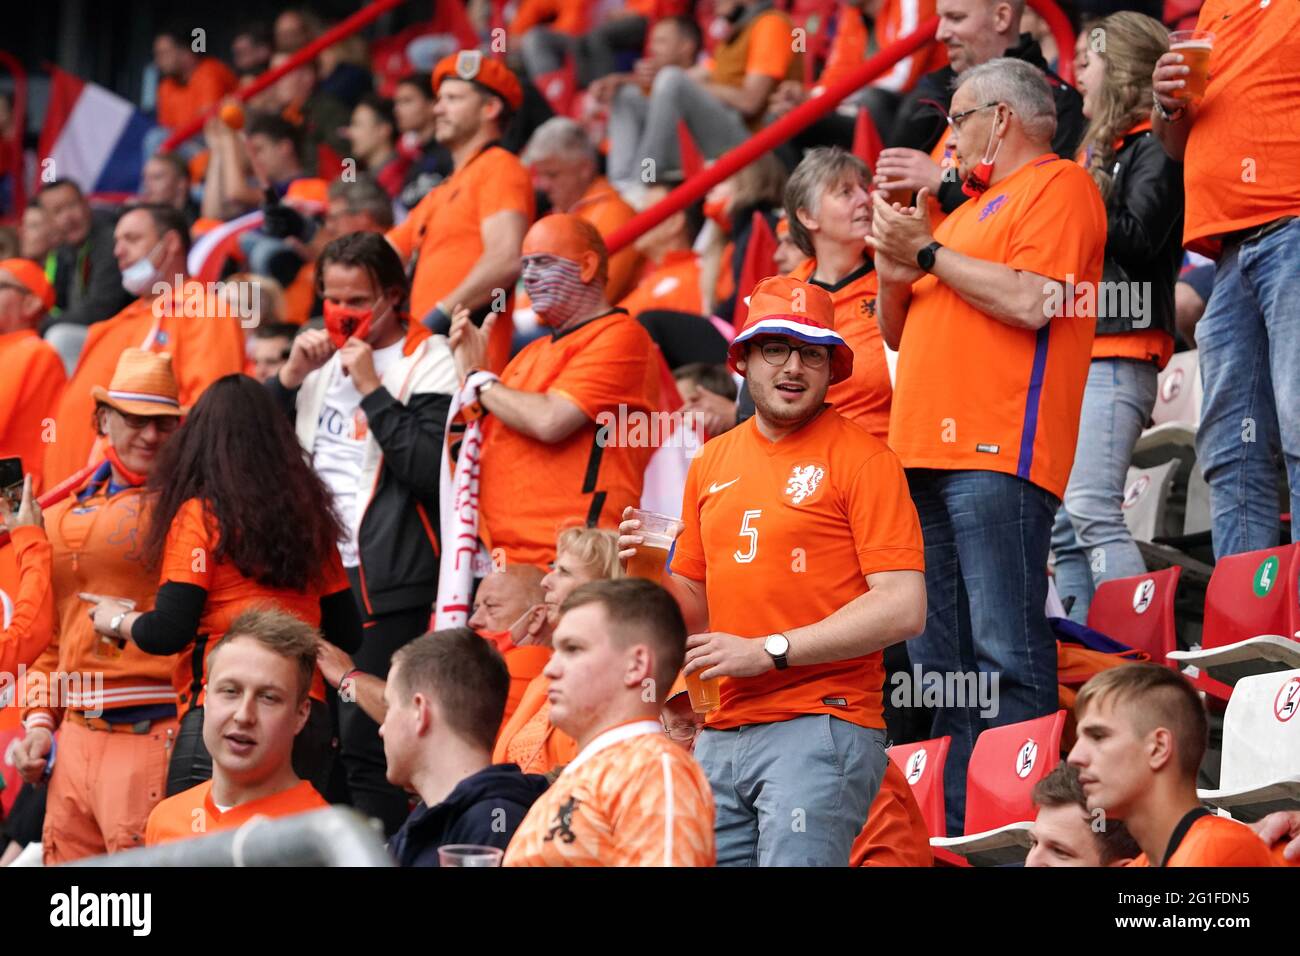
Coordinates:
<point>348,416</point>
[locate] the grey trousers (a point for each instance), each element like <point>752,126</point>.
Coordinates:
<point>791,793</point>
<point>714,126</point>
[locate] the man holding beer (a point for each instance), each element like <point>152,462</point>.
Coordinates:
<point>1225,108</point>
<point>800,559</point>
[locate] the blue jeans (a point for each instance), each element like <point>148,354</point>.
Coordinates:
<point>1091,542</point>
<point>986,542</point>
<point>791,793</point>
<point>1249,341</point>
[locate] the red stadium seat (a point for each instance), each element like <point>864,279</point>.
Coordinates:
<point>1138,612</point>
<point>1004,767</point>
<point>1261,748</point>
<point>1252,616</point>
<point>922,764</point>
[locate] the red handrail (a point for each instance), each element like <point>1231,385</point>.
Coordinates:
<point>331,36</point>
<point>808,113</point>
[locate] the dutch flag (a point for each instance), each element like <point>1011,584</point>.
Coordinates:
<point>95,137</point>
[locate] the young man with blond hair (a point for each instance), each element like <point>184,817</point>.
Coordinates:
<point>1142,734</point>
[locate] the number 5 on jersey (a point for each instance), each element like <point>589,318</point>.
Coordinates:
<point>750,532</point>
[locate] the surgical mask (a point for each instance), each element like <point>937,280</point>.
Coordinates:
<point>140,276</point>
<point>557,291</point>
<point>344,322</point>
<point>978,179</point>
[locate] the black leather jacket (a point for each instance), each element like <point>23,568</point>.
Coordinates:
<point>1144,234</point>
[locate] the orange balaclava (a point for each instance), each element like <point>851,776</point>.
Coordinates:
<point>565,266</point>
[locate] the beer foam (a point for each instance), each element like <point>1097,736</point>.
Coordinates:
<point>1192,45</point>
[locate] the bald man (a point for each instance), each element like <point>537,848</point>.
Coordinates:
<point>569,435</point>
<point>502,600</point>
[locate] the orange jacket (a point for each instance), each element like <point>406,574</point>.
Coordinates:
<point>32,382</point>
<point>529,738</point>
<point>26,598</point>
<point>94,539</point>
<point>203,347</point>
<point>525,665</point>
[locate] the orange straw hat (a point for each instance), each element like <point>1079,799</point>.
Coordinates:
<point>143,384</point>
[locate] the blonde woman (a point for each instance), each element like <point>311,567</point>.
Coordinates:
<point>1143,191</point>
<point>528,738</point>
<point>729,208</point>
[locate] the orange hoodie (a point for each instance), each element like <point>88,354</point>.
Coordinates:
<point>95,543</point>
<point>203,346</point>
<point>26,598</point>
<point>33,380</point>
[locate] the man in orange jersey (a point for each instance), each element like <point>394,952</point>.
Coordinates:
<point>113,706</point>
<point>1142,734</point>
<point>1001,286</point>
<point>259,675</point>
<point>1065,833</point>
<point>461,243</point>
<point>546,412</point>
<point>828,206</point>
<point>796,501</point>
<point>190,84</point>
<point>1243,209</point>
<point>631,797</point>
<point>563,164</point>
<point>170,314</point>
<point>672,279</point>
<point>34,375</point>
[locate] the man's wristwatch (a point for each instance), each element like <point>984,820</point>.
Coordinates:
<point>1165,115</point>
<point>115,623</point>
<point>925,258</point>
<point>777,647</point>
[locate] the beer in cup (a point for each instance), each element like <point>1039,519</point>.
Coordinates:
<point>1195,47</point>
<point>657,533</point>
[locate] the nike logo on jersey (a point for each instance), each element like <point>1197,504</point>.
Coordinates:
<point>714,488</point>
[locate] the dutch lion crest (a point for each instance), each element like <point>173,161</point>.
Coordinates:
<point>803,482</point>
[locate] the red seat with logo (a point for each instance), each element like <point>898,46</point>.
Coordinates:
<point>1252,616</point>
<point>1138,612</point>
<point>922,764</point>
<point>1004,766</point>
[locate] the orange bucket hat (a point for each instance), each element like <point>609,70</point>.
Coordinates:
<point>143,384</point>
<point>787,307</point>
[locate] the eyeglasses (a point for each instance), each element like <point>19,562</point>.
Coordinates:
<point>682,731</point>
<point>164,423</point>
<point>778,353</point>
<point>955,120</point>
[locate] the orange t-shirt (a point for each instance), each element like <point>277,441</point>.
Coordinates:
<point>29,391</point>
<point>191,813</point>
<point>763,48</point>
<point>1244,146</point>
<point>562,16</point>
<point>864,397</point>
<point>1216,841</point>
<point>783,534</point>
<point>528,738</point>
<point>188,558</point>
<point>26,598</point>
<point>609,369</point>
<point>895,833</point>
<point>180,103</point>
<point>203,348</point>
<point>444,229</point>
<point>673,284</point>
<point>524,664</point>
<point>605,209</point>
<point>975,393</point>
<point>632,797</point>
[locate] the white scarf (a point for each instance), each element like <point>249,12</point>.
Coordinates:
<point>458,504</point>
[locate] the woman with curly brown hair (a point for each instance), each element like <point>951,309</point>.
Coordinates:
<point>239,520</point>
<point>1143,191</point>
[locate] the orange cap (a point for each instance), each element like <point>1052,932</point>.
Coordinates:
<point>30,276</point>
<point>473,67</point>
<point>784,306</point>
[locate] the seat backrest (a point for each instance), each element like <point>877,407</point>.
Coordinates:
<point>1004,767</point>
<point>922,764</point>
<point>1178,395</point>
<point>1146,491</point>
<point>1139,612</point>
<point>1261,731</point>
<point>1251,594</point>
